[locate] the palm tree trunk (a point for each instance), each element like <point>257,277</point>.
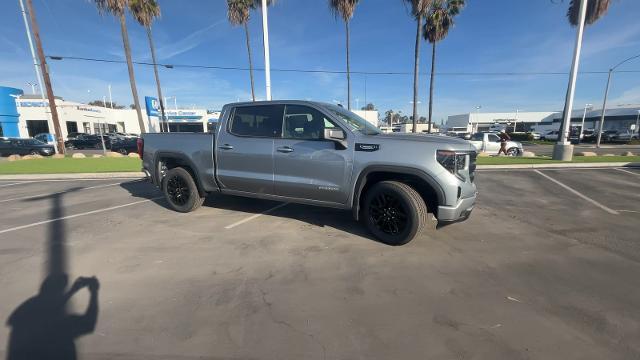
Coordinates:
<point>346,23</point>
<point>246,32</point>
<point>416,75</point>
<point>132,79</point>
<point>433,69</point>
<point>163,123</point>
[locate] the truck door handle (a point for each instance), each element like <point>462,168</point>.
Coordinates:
<point>225,147</point>
<point>285,149</point>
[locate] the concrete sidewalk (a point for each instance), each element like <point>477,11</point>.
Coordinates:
<point>112,175</point>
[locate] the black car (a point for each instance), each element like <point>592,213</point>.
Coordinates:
<point>86,141</point>
<point>125,145</point>
<point>610,135</point>
<point>16,146</point>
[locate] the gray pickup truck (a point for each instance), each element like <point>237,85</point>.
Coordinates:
<point>317,154</point>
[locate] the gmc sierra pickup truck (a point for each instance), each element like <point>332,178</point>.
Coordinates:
<point>318,154</point>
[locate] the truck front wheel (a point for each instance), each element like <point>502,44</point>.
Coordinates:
<point>181,191</point>
<point>394,212</point>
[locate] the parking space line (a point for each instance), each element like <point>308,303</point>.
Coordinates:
<point>63,192</point>
<point>78,215</point>
<point>17,183</point>
<point>628,172</point>
<point>610,211</point>
<point>254,216</point>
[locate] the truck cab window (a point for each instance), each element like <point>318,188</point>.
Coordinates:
<point>303,122</point>
<point>257,121</point>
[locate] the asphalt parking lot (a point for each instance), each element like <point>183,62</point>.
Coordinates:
<point>546,268</point>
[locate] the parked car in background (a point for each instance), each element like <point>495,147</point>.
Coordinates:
<point>535,135</point>
<point>610,135</point>
<point>627,136</point>
<point>489,142</point>
<point>86,141</point>
<point>125,146</point>
<point>550,135</point>
<point>589,135</point>
<point>73,135</point>
<point>17,146</point>
<point>46,138</point>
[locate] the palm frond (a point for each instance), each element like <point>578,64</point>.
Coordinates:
<point>343,8</point>
<point>440,18</point>
<point>419,7</point>
<point>595,10</point>
<point>144,11</point>
<point>239,11</point>
<point>114,7</point>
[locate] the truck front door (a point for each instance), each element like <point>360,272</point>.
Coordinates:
<point>306,166</point>
<point>244,152</point>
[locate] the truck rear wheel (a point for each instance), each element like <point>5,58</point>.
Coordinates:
<point>394,212</point>
<point>181,191</point>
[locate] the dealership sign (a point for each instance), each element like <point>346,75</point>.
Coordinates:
<point>152,105</point>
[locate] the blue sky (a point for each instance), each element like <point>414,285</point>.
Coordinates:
<point>489,36</point>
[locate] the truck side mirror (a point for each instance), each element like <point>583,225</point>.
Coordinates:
<point>334,134</point>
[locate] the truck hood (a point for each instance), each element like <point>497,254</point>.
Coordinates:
<point>434,139</point>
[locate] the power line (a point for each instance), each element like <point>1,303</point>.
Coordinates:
<point>315,71</point>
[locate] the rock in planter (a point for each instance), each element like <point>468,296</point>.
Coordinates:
<point>13,157</point>
<point>528,154</point>
<point>114,154</point>
<point>28,157</point>
<point>57,156</point>
<point>134,155</point>
<point>627,153</point>
<point>586,153</point>
<point>609,155</point>
<point>97,156</point>
<point>483,154</point>
<point>78,156</point>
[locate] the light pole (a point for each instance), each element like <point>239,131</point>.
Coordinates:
<point>265,39</point>
<point>33,87</point>
<point>104,104</point>
<point>475,128</point>
<point>586,106</point>
<point>606,95</point>
<point>638,124</point>
<point>515,122</point>
<point>563,150</point>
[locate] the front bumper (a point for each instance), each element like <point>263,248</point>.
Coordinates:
<point>459,212</point>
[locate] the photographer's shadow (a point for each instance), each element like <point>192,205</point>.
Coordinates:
<point>42,327</point>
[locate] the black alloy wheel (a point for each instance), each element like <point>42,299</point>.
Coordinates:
<point>180,190</point>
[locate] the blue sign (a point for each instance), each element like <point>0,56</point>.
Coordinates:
<point>152,105</point>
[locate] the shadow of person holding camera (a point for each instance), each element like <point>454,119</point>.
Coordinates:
<point>42,327</point>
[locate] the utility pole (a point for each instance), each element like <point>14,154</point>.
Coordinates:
<point>47,80</point>
<point>265,39</point>
<point>563,150</point>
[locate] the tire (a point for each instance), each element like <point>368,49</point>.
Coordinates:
<point>123,151</point>
<point>512,151</point>
<point>34,152</point>
<point>181,191</point>
<point>394,212</point>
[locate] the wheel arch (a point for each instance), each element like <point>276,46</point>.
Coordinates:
<point>175,159</point>
<point>428,188</point>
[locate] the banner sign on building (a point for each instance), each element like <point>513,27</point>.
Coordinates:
<point>152,105</point>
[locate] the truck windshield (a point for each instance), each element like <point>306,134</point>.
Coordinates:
<point>354,121</point>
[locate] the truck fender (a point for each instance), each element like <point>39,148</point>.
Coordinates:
<point>182,158</point>
<point>401,170</point>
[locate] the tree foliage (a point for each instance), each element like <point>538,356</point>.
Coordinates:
<point>440,18</point>
<point>595,10</point>
<point>144,11</point>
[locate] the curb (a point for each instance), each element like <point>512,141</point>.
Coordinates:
<point>560,165</point>
<point>97,176</point>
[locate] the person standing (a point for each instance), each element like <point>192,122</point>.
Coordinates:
<point>504,137</point>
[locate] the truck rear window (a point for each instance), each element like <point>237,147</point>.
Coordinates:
<point>258,121</point>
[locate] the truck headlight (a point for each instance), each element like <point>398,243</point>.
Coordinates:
<point>452,161</point>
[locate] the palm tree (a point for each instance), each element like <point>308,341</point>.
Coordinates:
<point>145,11</point>
<point>419,10</point>
<point>117,8</point>
<point>439,21</point>
<point>345,9</point>
<point>238,14</point>
<point>595,10</point>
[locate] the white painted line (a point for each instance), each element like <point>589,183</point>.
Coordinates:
<point>610,211</point>
<point>630,211</point>
<point>63,192</point>
<point>18,183</point>
<point>629,172</point>
<point>255,216</point>
<point>78,215</point>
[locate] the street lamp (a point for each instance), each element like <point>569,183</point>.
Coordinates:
<point>515,122</point>
<point>584,115</point>
<point>33,87</point>
<point>638,124</point>
<point>606,94</point>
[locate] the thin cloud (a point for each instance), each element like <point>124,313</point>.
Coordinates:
<point>188,43</point>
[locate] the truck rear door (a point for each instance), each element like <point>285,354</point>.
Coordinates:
<point>244,148</point>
